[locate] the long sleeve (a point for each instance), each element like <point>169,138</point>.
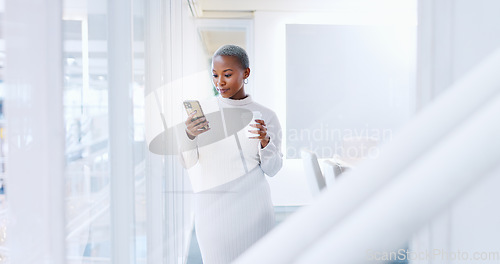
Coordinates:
<point>188,149</point>
<point>271,158</point>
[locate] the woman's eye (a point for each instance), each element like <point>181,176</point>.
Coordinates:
<point>215,75</point>
<point>228,75</point>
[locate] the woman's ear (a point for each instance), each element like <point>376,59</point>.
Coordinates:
<point>247,73</point>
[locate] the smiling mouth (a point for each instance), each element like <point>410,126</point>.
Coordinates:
<point>223,90</point>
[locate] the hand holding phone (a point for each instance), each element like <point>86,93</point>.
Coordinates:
<point>196,122</point>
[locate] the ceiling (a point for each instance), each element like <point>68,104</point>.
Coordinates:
<point>213,39</point>
<point>244,9</point>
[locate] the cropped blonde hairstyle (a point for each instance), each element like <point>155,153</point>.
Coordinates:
<point>235,51</point>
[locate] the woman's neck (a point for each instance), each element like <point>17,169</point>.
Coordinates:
<point>239,95</point>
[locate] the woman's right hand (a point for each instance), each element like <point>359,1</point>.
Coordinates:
<point>195,127</point>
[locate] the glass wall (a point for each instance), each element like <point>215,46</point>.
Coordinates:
<point>167,64</point>
<point>3,147</point>
<point>87,118</point>
<point>87,135</point>
<point>176,69</point>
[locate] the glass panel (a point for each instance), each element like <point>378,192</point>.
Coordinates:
<point>3,148</point>
<point>86,123</point>
<point>138,64</point>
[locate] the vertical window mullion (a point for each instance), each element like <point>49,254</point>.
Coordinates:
<point>121,131</point>
<point>35,169</point>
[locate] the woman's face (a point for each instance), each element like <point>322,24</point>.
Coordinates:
<point>228,76</point>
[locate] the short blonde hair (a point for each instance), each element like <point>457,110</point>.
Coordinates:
<point>235,51</point>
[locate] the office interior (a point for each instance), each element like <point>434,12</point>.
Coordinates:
<point>389,111</point>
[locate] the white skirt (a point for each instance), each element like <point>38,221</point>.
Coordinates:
<point>231,217</point>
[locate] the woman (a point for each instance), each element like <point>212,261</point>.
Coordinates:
<point>233,207</point>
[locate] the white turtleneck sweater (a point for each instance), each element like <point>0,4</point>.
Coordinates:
<point>233,155</point>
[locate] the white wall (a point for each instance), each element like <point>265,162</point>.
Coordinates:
<point>454,36</point>
<point>347,81</point>
<point>289,187</point>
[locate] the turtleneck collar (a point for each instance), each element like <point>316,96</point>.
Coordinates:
<point>240,102</point>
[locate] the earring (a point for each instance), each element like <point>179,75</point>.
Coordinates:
<point>245,81</point>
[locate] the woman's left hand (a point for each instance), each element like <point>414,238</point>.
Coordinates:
<point>262,132</point>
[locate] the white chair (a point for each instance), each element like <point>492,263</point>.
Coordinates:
<point>314,177</point>
<point>332,169</point>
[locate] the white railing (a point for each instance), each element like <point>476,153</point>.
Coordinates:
<point>425,167</point>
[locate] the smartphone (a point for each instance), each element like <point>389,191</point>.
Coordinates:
<point>194,105</point>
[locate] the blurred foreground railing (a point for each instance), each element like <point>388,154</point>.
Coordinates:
<point>447,148</point>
